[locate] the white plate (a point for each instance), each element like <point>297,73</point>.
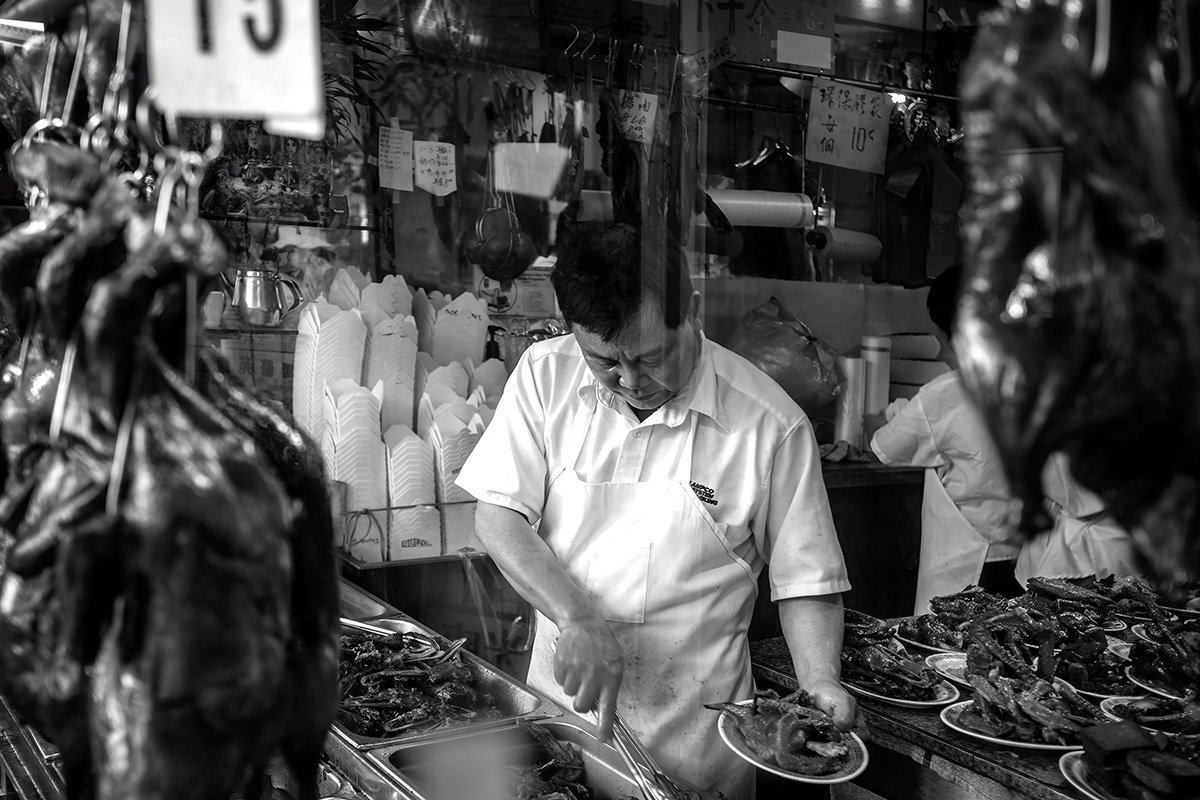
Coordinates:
<point>946,693</point>
<point>1095,695</point>
<point>1114,626</point>
<point>952,666</point>
<point>1120,649</point>
<point>950,716</point>
<point>732,736</point>
<point>1072,767</point>
<point>1155,690</point>
<point>928,648</point>
<point>1139,631</point>
<point>1108,704</point>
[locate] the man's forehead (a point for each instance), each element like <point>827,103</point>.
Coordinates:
<point>642,336</point>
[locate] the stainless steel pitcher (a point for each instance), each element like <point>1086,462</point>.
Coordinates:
<point>258,296</point>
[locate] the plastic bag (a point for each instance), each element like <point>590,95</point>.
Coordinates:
<point>773,340</point>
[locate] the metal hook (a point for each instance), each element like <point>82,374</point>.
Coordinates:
<point>77,68</point>
<point>591,42</point>
<point>567,50</point>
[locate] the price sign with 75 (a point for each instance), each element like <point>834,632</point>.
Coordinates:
<point>235,58</point>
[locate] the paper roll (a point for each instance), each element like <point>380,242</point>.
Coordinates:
<point>842,245</point>
<point>877,357</point>
<point>848,427</point>
<point>764,209</point>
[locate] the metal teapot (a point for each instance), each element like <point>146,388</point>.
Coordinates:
<point>257,294</point>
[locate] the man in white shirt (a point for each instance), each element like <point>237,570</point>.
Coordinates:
<point>633,483</point>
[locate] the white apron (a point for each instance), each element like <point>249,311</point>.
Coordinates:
<point>1077,547</point>
<point>952,551</point>
<point>678,600</point>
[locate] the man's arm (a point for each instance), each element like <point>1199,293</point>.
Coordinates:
<point>588,662</point>
<point>812,627</point>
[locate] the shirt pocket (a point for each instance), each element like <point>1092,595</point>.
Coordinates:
<point>617,582</point>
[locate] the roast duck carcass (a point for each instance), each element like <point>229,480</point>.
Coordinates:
<point>1079,326</point>
<point>168,600</point>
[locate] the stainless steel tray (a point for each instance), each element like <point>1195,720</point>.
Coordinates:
<point>49,752</point>
<point>513,699</point>
<point>358,604</point>
<point>449,768</point>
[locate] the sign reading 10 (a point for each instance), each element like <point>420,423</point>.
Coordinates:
<point>263,30</point>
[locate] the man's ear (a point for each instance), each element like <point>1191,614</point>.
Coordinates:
<point>693,310</point>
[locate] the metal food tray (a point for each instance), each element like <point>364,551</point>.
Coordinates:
<point>418,769</point>
<point>513,699</point>
<point>358,604</point>
<point>49,752</point>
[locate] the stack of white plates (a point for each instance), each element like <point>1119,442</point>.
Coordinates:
<point>329,347</point>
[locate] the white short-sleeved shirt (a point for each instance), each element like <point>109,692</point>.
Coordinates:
<point>755,462</point>
<point>940,428</point>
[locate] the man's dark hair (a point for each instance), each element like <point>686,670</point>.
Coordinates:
<point>605,269</point>
<point>942,301</point>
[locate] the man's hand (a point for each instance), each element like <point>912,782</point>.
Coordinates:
<point>588,664</point>
<point>830,697</point>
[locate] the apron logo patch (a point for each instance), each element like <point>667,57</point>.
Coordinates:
<point>704,493</point>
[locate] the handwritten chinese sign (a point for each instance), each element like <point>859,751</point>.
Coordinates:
<point>396,159</point>
<point>638,114</point>
<point>847,126</point>
<point>435,172</point>
<point>704,62</point>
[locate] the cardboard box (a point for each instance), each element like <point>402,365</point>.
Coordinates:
<point>414,533</point>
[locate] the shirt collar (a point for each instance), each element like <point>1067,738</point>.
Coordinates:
<point>699,394</point>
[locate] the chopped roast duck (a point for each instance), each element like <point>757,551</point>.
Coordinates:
<point>1079,326</point>
<point>169,593</point>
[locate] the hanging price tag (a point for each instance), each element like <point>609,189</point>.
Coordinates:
<point>235,58</point>
<point>638,114</point>
<point>435,171</point>
<point>847,126</point>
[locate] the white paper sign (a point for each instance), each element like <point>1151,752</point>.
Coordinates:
<point>235,58</point>
<point>847,126</point>
<point>804,49</point>
<point>396,159</point>
<point>434,166</point>
<point>529,169</point>
<point>708,59</point>
<point>638,114</point>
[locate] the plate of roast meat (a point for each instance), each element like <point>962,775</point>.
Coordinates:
<point>1158,713</point>
<point>790,737</point>
<point>1123,761</point>
<point>876,666</point>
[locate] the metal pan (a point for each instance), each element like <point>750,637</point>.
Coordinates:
<point>513,699</point>
<point>358,604</point>
<point>451,768</point>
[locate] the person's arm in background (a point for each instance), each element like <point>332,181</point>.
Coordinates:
<point>508,473</point>
<point>587,662</point>
<point>808,572</point>
<point>907,440</point>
